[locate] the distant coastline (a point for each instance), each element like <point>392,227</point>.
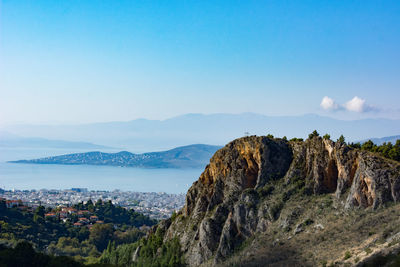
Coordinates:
<point>191,156</point>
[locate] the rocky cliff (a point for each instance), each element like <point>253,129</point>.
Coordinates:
<point>258,191</point>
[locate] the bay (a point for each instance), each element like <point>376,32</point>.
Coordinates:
<point>38,176</point>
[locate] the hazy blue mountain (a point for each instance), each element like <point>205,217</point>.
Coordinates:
<point>380,141</point>
<point>8,140</point>
<point>192,156</point>
<point>142,135</point>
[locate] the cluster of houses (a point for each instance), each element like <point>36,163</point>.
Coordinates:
<point>80,217</point>
<point>84,217</point>
<point>156,205</point>
<point>15,204</point>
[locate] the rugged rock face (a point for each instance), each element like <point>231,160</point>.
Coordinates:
<point>336,168</point>
<point>227,205</point>
<point>222,200</point>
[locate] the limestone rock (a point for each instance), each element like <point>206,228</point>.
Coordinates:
<point>224,207</point>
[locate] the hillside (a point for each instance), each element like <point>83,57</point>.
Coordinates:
<point>272,202</point>
<point>81,231</point>
<point>192,156</point>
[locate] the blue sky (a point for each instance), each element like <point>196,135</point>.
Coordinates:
<point>91,61</point>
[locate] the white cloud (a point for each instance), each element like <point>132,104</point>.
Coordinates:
<point>358,105</point>
<point>328,103</point>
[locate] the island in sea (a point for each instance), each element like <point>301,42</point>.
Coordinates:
<point>191,156</point>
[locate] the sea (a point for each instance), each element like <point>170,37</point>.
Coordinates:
<point>49,176</point>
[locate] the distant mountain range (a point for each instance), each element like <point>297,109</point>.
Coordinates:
<point>142,135</point>
<point>380,141</point>
<point>8,140</point>
<point>192,156</point>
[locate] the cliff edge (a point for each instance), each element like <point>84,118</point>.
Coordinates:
<point>260,198</point>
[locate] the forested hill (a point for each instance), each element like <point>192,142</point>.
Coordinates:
<point>192,156</point>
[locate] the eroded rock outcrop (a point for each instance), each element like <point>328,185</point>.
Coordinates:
<point>226,205</point>
<point>221,204</point>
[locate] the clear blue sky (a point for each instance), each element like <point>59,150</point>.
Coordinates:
<point>87,61</point>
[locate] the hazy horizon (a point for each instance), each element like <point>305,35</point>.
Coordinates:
<point>82,62</point>
<point>215,129</point>
<point>62,123</point>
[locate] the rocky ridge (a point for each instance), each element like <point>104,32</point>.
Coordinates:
<point>246,189</point>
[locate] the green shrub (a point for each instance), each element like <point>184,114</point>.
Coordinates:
<point>296,139</point>
<point>266,190</point>
<point>327,136</point>
<point>341,140</point>
<point>313,134</point>
<point>368,250</point>
<point>355,145</point>
<point>24,255</point>
<point>153,251</point>
<point>276,208</point>
<point>173,216</point>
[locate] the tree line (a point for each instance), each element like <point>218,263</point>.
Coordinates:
<point>387,149</point>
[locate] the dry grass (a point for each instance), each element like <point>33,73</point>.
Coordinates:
<point>346,237</point>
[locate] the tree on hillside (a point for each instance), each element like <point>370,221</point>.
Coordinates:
<point>100,234</point>
<point>38,215</point>
<point>294,139</point>
<point>355,145</point>
<point>99,203</point>
<point>313,134</point>
<point>369,146</point>
<point>341,140</point>
<point>385,148</point>
<point>394,153</point>
<point>90,205</point>
<point>327,136</point>
<point>3,206</point>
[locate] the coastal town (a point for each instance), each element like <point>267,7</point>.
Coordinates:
<point>155,205</point>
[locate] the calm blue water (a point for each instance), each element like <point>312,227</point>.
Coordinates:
<point>33,176</point>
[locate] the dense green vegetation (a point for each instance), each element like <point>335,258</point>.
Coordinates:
<point>119,255</point>
<point>110,213</point>
<point>152,252</point>
<point>387,150</point>
<point>313,134</point>
<point>16,225</point>
<point>296,139</point>
<point>23,255</point>
<point>52,236</point>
